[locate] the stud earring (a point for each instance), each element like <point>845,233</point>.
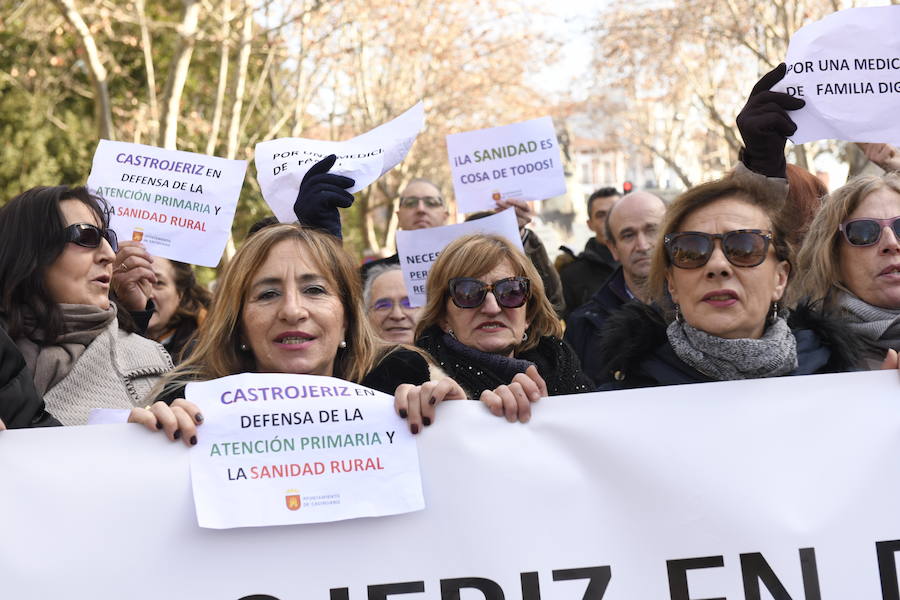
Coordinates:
<point>453,335</point>
<point>244,347</point>
<point>343,344</point>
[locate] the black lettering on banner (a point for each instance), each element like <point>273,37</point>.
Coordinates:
<point>381,592</point>
<point>887,568</point>
<point>755,568</point>
<point>677,570</point>
<point>598,579</point>
<point>258,597</point>
<point>531,586</point>
<point>339,594</point>
<point>491,590</point>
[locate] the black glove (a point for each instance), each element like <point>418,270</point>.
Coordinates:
<point>765,125</point>
<point>321,194</point>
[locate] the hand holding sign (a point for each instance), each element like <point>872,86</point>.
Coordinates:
<point>133,277</point>
<point>321,194</point>
<point>765,125</point>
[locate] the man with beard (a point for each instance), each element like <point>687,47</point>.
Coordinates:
<point>631,231</point>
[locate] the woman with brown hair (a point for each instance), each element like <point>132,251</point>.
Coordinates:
<point>180,305</point>
<point>720,276</point>
<point>290,302</point>
<point>491,328</point>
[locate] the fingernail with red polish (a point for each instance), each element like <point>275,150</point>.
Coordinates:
<point>199,418</point>
<point>432,401</point>
<point>193,440</point>
<point>158,425</point>
<point>177,434</point>
<point>403,413</point>
<point>414,428</point>
<point>426,421</point>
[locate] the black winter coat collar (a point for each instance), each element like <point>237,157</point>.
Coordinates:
<point>637,353</point>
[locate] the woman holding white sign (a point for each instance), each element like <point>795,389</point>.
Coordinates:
<point>56,263</point>
<point>720,275</point>
<point>850,262</point>
<point>290,301</point>
<point>490,326</point>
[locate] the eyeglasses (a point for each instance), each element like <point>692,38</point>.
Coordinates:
<point>511,292</point>
<point>413,201</point>
<point>385,304</point>
<point>90,236</point>
<point>742,247</point>
<point>867,232</point>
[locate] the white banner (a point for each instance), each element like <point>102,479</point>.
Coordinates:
<point>847,69</point>
<point>180,205</point>
<point>282,163</point>
<point>279,449</point>
<point>716,490</point>
<point>520,160</point>
<point>419,248</point>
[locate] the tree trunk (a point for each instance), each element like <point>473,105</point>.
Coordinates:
<point>147,47</point>
<point>224,60</point>
<point>95,69</point>
<point>240,82</point>
<point>181,61</point>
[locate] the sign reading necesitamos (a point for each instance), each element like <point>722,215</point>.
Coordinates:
<point>780,488</point>
<point>520,161</point>
<point>180,205</point>
<point>847,69</point>
<point>281,449</point>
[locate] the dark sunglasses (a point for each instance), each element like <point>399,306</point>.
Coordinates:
<point>511,292</point>
<point>742,248</point>
<point>90,236</point>
<point>866,232</point>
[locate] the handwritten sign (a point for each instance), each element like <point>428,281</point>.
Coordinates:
<point>514,161</point>
<point>419,248</point>
<point>280,449</point>
<point>180,205</point>
<point>282,163</point>
<point>847,69</point>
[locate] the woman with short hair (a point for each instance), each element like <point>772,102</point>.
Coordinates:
<point>720,277</point>
<point>490,326</point>
<point>850,262</point>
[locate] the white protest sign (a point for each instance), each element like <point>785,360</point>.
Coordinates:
<point>280,449</point>
<point>282,163</point>
<point>847,69</point>
<point>180,205</point>
<point>719,490</point>
<point>521,161</point>
<point>419,248</point>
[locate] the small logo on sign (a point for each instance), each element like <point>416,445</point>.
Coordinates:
<point>292,500</point>
<point>495,196</point>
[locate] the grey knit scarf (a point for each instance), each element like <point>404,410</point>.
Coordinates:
<point>775,353</point>
<point>879,326</point>
<point>51,363</point>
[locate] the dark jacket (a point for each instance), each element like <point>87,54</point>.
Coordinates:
<point>554,359</point>
<point>636,351</point>
<point>584,325</point>
<point>20,404</point>
<point>586,274</point>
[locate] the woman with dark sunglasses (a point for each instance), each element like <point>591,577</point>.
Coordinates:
<point>490,326</point>
<point>850,262</point>
<point>719,280</point>
<point>56,262</point>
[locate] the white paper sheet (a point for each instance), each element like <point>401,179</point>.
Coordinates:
<point>281,449</point>
<point>282,163</point>
<point>847,69</point>
<point>521,161</point>
<point>180,205</point>
<point>418,249</point>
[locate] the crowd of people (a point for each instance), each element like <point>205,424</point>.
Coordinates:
<point>760,274</point>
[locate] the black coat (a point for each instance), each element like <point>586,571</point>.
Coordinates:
<point>584,325</point>
<point>636,351</point>
<point>20,404</point>
<point>585,275</point>
<point>555,361</point>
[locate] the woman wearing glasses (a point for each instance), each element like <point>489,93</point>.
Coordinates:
<point>56,262</point>
<point>490,326</point>
<point>850,262</point>
<point>387,304</point>
<point>721,274</point>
